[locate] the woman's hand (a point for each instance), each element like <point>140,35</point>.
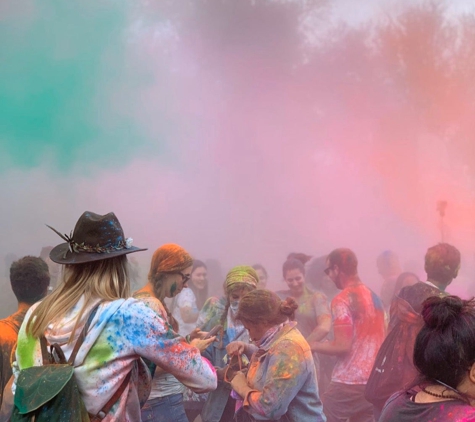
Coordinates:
<point>202,345</point>
<point>239,384</point>
<point>197,333</point>
<point>235,348</point>
<point>220,373</point>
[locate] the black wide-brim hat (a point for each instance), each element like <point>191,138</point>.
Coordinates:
<point>95,237</point>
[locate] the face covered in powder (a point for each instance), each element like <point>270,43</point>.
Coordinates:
<point>175,282</point>
<point>235,296</point>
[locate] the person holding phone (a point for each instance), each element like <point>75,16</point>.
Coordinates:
<point>219,405</point>
<point>169,274</point>
<point>281,382</point>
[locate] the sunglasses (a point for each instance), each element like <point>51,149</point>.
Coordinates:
<point>185,277</point>
<point>327,270</point>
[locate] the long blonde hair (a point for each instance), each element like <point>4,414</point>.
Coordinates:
<point>106,279</point>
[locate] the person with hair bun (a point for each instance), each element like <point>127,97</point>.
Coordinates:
<point>313,314</point>
<point>220,405</point>
<point>281,383</point>
<point>444,355</point>
<point>393,368</point>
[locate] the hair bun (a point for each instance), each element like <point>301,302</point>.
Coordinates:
<point>288,306</point>
<point>439,312</point>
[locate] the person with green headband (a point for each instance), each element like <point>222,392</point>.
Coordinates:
<point>219,405</point>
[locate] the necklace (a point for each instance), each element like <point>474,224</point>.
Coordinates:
<point>441,396</point>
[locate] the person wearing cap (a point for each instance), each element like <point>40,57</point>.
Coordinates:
<point>169,273</point>
<point>240,280</point>
<point>95,287</point>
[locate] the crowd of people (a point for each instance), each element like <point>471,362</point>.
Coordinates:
<point>329,350</point>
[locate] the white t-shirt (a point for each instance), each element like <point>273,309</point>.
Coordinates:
<point>185,298</point>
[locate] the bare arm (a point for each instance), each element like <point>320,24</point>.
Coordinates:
<point>341,343</point>
<point>324,323</point>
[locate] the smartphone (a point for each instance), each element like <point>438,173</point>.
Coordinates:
<point>215,330</point>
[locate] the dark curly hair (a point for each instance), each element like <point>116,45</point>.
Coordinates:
<point>29,278</point>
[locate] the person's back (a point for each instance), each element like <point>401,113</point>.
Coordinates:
<point>359,329</point>
<point>29,279</point>
<point>401,407</point>
<point>393,369</point>
<point>358,306</point>
<point>121,332</point>
<point>444,355</point>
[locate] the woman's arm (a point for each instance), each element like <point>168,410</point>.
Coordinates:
<point>186,303</point>
<point>152,339</point>
<point>323,316</point>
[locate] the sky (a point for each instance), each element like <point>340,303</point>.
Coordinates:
<point>223,129</point>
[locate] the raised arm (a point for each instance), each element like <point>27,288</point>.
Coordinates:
<point>151,338</point>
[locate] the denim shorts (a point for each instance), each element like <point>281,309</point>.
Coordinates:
<point>165,409</point>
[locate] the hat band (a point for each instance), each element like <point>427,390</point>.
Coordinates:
<point>82,247</point>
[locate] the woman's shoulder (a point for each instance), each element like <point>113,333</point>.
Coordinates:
<point>142,307</point>
<point>402,401</point>
<point>291,340</point>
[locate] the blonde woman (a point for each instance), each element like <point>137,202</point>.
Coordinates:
<point>121,331</point>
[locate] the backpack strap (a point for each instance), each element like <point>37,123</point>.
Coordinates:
<point>48,358</point>
<point>108,406</point>
<point>83,334</point>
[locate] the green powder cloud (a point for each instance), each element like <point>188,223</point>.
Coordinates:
<point>61,63</point>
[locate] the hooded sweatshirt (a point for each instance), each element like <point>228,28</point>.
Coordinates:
<point>120,333</point>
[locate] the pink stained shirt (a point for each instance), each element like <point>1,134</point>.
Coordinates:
<point>359,307</point>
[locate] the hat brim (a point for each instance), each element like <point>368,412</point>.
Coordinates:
<point>62,255</point>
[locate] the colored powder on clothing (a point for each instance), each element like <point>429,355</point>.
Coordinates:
<point>101,353</point>
<point>25,351</point>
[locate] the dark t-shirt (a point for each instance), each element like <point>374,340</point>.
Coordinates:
<point>8,337</point>
<point>401,408</point>
<point>417,293</point>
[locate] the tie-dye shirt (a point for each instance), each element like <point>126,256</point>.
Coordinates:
<point>282,375</point>
<point>120,333</point>
<point>359,307</point>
